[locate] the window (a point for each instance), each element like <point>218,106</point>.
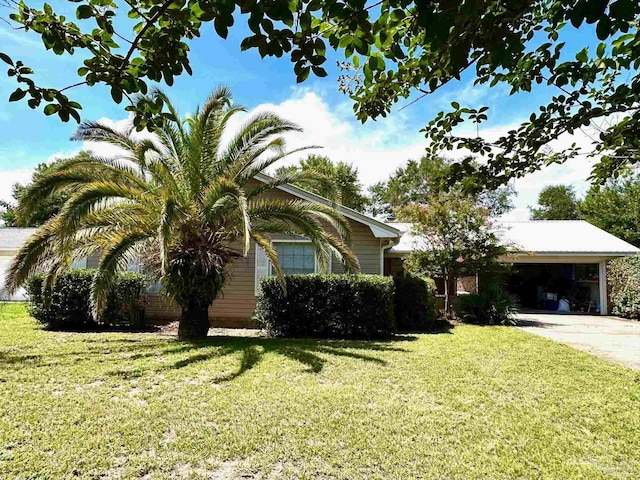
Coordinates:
<point>78,264</point>
<point>296,258</point>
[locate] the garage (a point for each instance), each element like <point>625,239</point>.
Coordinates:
<point>561,265</point>
<point>565,287</point>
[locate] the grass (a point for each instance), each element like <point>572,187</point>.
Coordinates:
<point>475,403</point>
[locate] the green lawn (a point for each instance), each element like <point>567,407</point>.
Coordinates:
<point>478,402</point>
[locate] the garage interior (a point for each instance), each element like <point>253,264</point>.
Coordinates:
<point>556,287</point>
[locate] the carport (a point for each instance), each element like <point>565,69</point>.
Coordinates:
<point>561,263</point>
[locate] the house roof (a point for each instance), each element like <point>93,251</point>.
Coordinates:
<point>563,236</point>
<point>568,237</point>
<point>12,238</point>
<point>378,228</point>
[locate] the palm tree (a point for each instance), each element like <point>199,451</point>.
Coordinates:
<point>183,200</point>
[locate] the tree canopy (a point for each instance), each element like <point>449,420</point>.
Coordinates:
<point>615,207</point>
<point>454,236</point>
<point>556,202</point>
<point>340,182</point>
<point>418,181</point>
<point>393,49</point>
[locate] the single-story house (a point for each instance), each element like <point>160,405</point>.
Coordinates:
<point>556,260</point>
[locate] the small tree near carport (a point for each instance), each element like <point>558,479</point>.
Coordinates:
<point>454,237</point>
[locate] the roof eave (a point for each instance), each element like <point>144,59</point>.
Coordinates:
<point>379,229</point>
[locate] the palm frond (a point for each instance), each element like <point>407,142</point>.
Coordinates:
<point>90,131</point>
<point>117,255</point>
<point>271,253</point>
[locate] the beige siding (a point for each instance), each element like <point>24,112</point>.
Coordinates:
<point>235,306</point>
<point>366,247</point>
<point>93,260</point>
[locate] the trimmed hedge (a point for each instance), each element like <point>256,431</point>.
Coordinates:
<point>624,280</point>
<point>67,306</point>
<point>415,301</point>
<point>327,306</point>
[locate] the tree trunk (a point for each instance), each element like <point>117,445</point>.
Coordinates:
<point>194,324</point>
<point>446,296</point>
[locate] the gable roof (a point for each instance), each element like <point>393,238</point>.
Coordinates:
<point>378,228</point>
<point>12,238</point>
<point>546,237</point>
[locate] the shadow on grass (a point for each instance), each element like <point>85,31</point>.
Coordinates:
<point>438,327</point>
<point>128,358</point>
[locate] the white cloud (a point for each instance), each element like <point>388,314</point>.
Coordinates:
<point>9,177</point>
<point>20,37</point>
<point>375,148</point>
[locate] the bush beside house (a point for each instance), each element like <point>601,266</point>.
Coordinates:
<point>415,301</point>
<point>327,306</point>
<point>492,305</point>
<point>624,281</point>
<point>67,305</point>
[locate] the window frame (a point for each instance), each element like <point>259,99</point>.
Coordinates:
<point>297,242</point>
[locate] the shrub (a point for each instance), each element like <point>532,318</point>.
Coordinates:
<point>624,282</point>
<point>327,306</point>
<point>415,301</point>
<point>68,304</point>
<point>491,306</point>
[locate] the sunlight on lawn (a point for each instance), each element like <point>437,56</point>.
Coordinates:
<point>478,402</point>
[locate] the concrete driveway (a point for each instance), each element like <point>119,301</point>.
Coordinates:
<point>607,337</point>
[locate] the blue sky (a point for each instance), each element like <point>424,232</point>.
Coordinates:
<point>27,137</point>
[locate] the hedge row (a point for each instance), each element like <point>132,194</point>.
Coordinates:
<point>68,304</point>
<point>415,302</point>
<point>624,279</point>
<point>344,306</point>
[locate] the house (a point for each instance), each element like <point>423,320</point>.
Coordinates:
<point>234,308</point>
<point>554,260</point>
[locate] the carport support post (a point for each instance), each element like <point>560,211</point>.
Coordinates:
<point>602,283</point>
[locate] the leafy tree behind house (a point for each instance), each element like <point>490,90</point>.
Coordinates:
<point>417,181</point>
<point>340,182</point>
<point>455,236</point>
<point>183,200</point>
<point>41,213</point>
<point>615,207</point>
<point>556,202</point>
<point>392,50</point>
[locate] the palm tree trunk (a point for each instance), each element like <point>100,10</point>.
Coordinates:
<point>194,324</point>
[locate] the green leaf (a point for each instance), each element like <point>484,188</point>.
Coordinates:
<point>344,41</point>
<point>50,109</point>
<point>17,95</point>
<point>221,29</point>
<point>319,71</point>
<point>601,49</point>
<point>6,59</point>
<point>116,94</point>
<point>84,11</point>
<point>603,29</point>
<point>582,55</point>
<point>303,75</point>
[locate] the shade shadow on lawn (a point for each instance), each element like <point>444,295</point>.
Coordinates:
<point>126,357</point>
